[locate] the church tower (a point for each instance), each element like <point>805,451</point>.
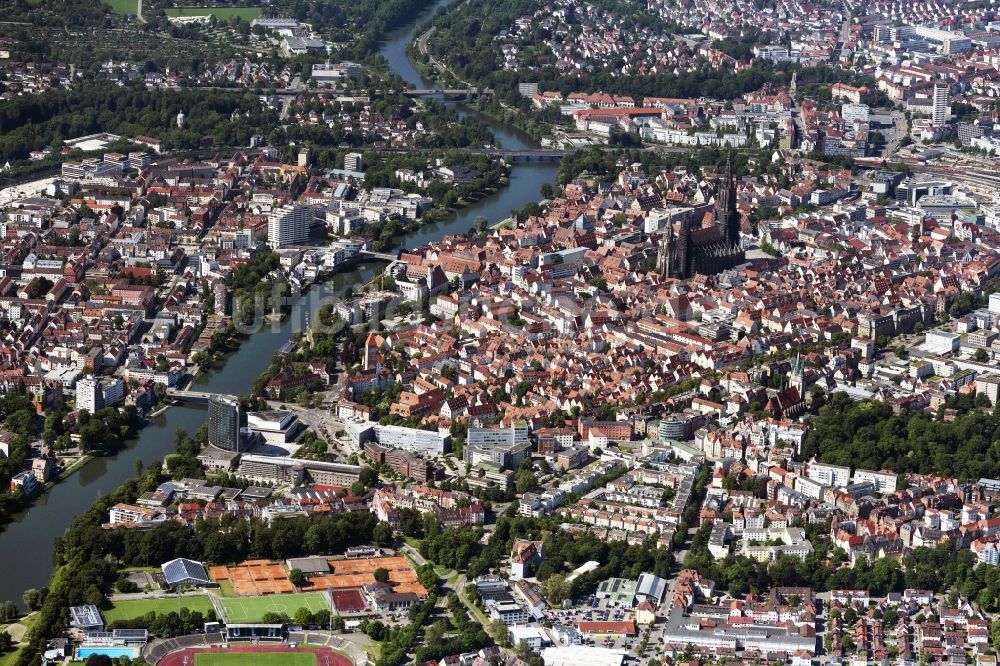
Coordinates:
<point>684,254</point>
<point>666,252</point>
<point>797,377</point>
<point>725,207</point>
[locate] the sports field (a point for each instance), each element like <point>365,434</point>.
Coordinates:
<point>252,609</point>
<point>221,13</point>
<point>133,608</point>
<point>257,655</point>
<point>256,659</point>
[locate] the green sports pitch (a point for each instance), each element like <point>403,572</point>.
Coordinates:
<point>241,610</point>
<point>255,659</point>
<point>136,608</point>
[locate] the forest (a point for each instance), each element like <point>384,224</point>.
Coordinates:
<point>65,14</point>
<point>38,121</point>
<point>868,435</point>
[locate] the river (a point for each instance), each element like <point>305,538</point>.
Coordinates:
<point>27,557</point>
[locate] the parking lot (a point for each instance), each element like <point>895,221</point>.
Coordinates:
<point>592,609</point>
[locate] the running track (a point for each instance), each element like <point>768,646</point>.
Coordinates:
<point>177,658</point>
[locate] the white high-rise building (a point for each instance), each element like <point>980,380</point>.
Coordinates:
<point>94,393</point>
<point>354,162</point>
<point>289,225</point>
<point>942,110</point>
<point>89,394</point>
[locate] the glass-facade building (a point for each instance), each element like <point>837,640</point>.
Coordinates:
<point>224,423</point>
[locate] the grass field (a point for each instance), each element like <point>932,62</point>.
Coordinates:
<point>252,609</point>
<point>133,608</point>
<point>123,7</point>
<point>256,659</point>
<point>221,13</point>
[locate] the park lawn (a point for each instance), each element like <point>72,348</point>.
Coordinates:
<point>133,608</point>
<point>253,609</point>
<point>11,658</point>
<point>221,13</point>
<point>255,659</point>
<point>123,7</point>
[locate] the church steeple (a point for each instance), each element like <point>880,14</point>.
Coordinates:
<point>725,206</point>
<point>684,250</point>
<point>666,251</point>
<point>797,377</point>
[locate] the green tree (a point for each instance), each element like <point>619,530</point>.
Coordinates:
<point>32,599</point>
<point>556,589</point>
<point>382,536</point>
<point>500,633</point>
<point>296,577</point>
<point>435,633</point>
<point>8,611</point>
<point>525,481</point>
<point>427,576</point>
<point>381,575</point>
<point>303,616</point>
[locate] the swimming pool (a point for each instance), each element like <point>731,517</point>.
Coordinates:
<point>130,652</point>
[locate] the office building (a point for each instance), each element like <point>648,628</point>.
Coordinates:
<point>422,442</point>
<point>331,74</point>
<point>274,426</point>
<point>851,112</point>
<point>92,168</point>
<point>283,469</point>
<point>289,225</point>
<point>946,42</point>
<point>506,447</point>
<point>224,423</point>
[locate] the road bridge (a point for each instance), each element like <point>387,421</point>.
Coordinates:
<point>385,256</point>
<point>196,396</point>
<point>446,92</point>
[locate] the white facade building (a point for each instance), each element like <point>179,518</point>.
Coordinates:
<point>289,225</point>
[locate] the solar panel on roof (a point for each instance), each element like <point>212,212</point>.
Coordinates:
<point>130,633</point>
<point>181,570</point>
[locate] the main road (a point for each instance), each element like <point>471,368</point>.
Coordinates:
<point>27,543</point>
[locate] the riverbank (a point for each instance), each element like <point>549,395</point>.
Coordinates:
<point>36,531</point>
<point>65,474</point>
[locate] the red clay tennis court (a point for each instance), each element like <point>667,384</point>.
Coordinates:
<point>354,574</point>
<point>254,578</point>
<point>370,564</point>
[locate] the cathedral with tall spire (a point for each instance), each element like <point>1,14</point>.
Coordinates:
<point>705,250</point>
